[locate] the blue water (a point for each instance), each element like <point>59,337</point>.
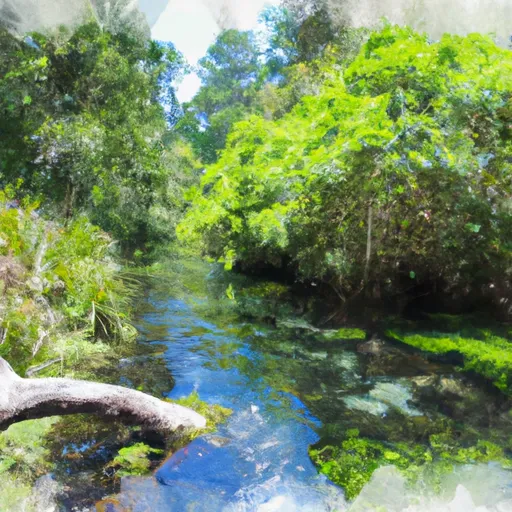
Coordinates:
<point>258,460</point>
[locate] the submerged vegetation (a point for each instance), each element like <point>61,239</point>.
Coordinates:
<point>380,404</point>
<point>214,414</point>
<point>490,356</point>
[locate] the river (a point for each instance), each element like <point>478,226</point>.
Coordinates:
<point>290,386</point>
<point>286,387</point>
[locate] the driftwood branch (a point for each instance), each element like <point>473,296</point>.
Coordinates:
<point>23,399</point>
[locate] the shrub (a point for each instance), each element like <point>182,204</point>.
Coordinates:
<point>396,175</point>
<point>57,278</point>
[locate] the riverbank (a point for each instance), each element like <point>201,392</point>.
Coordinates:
<point>66,305</point>
<point>335,397</point>
<point>65,297</point>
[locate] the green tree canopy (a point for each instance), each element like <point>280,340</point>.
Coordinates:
<point>230,73</point>
<point>82,120</point>
<point>267,72</point>
<point>398,173</point>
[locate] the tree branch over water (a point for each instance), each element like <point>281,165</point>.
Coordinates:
<point>23,399</point>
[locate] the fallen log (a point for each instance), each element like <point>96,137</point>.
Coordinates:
<point>23,399</point>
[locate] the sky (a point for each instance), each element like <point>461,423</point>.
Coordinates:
<point>192,26</point>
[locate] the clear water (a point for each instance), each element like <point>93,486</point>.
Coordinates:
<point>285,388</point>
<point>258,460</point>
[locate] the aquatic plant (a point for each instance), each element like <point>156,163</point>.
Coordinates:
<point>344,333</point>
<point>135,459</point>
<point>490,356</point>
<point>22,448</point>
<point>352,463</point>
<point>214,413</point>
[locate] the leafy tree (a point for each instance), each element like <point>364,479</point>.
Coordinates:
<point>282,29</point>
<point>396,175</point>
<point>243,74</point>
<point>230,74</point>
<point>303,49</point>
<point>82,120</point>
<point>318,23</point>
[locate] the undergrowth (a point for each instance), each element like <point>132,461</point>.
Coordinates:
<point>61,286</point>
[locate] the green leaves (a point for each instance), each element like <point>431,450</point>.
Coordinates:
<point>42,62</point>
<point>473,228</point>
<point>83,125</point>
<point>230,73</point>
<point>397,131</point>
<point>230,293</point>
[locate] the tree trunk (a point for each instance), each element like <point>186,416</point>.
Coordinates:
<point>23,399</point>
<point>368,245</point>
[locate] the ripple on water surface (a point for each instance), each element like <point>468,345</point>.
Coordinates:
<point>258,461</point>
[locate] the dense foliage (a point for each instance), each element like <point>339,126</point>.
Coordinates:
<point>83,118</point>
<point>230,73</point>
<point>396,175</point>
<point>264,72</point>
<point>56,279</point>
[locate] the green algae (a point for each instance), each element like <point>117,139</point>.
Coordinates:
<point>214,414</point>
<point>15,495</point>
<point>345,333</point>
<point>490,357</point>
<point>23,457</point>
<point>135,460</point>
<point>352,463</point>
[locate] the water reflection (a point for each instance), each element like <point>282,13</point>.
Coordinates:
<point>290,387</point>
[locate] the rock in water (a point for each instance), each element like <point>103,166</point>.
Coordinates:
<point>373,347</point>
<point>396,395</point>
<point>46,490</point>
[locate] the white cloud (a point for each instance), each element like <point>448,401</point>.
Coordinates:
<point>189,25</point>
<point>188,87</point>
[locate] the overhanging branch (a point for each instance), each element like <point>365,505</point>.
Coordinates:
<point>23,399</point>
